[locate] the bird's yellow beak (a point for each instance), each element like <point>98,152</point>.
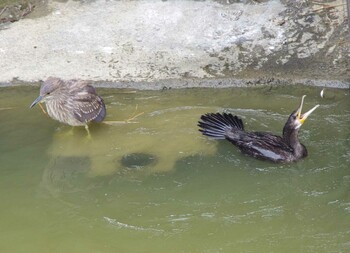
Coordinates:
<point>302,117</point>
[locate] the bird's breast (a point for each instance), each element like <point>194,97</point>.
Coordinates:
<point>62,112</point>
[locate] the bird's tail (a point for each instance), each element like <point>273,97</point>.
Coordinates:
<point>216,125</point>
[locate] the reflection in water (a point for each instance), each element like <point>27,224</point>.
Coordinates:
<point>167,136</point>
<point>158,184</point>
<point>138,160</point>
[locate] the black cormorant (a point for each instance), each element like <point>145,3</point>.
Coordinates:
<point>261,145</point>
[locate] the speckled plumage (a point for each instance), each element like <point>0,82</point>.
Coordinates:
<point>72,102</point>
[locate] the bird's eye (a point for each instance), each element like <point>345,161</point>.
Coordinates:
<point>48,93</point>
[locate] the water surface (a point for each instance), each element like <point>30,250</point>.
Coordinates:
<point>157,185</point>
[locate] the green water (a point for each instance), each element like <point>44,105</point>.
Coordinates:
<point>157,185</point>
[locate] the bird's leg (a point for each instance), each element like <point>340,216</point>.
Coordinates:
<point>88,132</point>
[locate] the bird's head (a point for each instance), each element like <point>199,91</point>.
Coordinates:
<point>48,90</point>
<point>297,119</point>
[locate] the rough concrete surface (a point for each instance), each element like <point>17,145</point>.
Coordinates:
<point>144,44</point>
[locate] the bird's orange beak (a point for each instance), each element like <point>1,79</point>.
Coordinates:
<point>302,117</point>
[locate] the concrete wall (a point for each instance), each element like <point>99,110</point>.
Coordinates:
<point>150,41</point>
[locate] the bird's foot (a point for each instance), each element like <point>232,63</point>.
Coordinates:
<point>127,121</point>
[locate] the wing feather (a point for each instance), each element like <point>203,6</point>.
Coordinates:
<point>88,106</point>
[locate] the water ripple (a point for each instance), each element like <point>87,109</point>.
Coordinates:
<point>121,225</point>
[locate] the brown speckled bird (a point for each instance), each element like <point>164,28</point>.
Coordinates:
<point>72,102</point>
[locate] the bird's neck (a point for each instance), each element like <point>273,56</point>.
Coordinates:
<point>59,96</point>
<point>290,136</point>
<point>57,100</point>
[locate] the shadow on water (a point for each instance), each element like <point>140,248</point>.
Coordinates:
<point>159,183</point>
